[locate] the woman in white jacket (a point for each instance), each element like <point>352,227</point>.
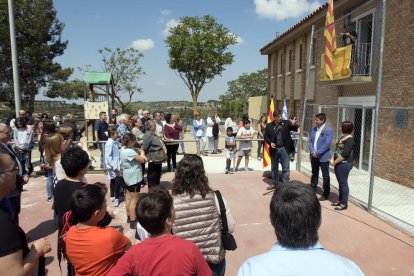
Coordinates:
<point>213,132</point>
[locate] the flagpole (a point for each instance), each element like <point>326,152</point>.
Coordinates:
<point>302,123</point>
<point>15,65</point>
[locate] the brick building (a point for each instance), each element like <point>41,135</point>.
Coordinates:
<point>357,97</point>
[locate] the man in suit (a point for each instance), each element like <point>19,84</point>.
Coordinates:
<point>320,153</point>
<point>21,177</point>
<point>277,136</point>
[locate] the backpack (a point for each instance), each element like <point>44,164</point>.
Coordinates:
<point>67,221</point>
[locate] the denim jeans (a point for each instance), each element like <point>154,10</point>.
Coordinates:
<point>25,159</point>
<point>342,172</point>
<point>218,269</point>
<point>49,183</point>
<point>101,147</point>
<point>203,142</point>
<point>316,164</point>
<point>281,156</point>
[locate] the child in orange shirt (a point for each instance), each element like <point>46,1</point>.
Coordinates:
<point>93,250</point>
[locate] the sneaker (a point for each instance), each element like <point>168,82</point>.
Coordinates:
<point>112,199</point>
<point>116,203</point>
<point>226,171</point>
<point>236,169</point>
<point>246,169</point>
<point>49,199</point>
<point>231,172</point>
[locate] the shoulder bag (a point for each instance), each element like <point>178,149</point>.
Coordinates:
<point>158,156</point>
<point>229,243</point>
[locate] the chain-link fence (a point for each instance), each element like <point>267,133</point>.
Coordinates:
<point>376,98</point>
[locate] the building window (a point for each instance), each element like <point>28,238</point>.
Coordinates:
<point>362,28</point>
<point>313,54</point>
<point>296,108</point>
<point>289,61</point>
<point>280,62</point>
<point>300,57</point>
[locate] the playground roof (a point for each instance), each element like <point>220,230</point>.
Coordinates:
<point>97,77</point>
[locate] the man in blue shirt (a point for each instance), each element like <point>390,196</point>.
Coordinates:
<point>101,134</point>
<point>295,214</point>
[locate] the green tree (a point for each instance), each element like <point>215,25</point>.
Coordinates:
<point>38,38</point>
<point>247,85</point>
<point>69,90</point>
<point>238,92</point>
<point>126,72</point>
<point>197,51</point>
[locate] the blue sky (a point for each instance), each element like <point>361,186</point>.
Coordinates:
<point>94,24</point>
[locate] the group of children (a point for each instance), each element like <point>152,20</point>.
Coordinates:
<point>245,135</point>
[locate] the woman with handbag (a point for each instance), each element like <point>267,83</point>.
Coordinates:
<point>131,160</point>
<point>154,150</point>
<point>342,161</point>
<point>197,212</point>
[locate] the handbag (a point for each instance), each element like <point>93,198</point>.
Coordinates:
<point>157,156</point>
<point>229,242</point>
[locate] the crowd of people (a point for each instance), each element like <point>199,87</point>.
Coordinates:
<point>179,233</point>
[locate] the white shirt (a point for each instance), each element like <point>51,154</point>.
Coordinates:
<point>245,144</point>
<point>230,123</point>
<point>210,124</point>
<point>318,133</point>
<point>310,261</point>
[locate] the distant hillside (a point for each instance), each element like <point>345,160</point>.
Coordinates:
<point>185,108</point>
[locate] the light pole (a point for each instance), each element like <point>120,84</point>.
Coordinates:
<point>15,65</point>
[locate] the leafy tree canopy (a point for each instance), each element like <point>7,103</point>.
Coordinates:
<point>198,51</point>
<point>247,85</point>
<point>126,72</point>
<point>236,98</point>
<point>38,38</point>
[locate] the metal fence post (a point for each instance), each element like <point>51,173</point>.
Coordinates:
<point>302,123</point>
<point>377,107</point>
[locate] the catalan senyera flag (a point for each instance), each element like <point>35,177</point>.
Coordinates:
<point>266,154</point>
<point>341,64</point>
<point>330,40</point>
<point>335,62</point>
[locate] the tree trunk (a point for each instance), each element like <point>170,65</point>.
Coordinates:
<point>31,102</point>
<point>195,106</point>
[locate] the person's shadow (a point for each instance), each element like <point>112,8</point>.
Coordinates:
<point>42,230</point>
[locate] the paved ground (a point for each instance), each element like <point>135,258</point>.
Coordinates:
<point>375,246</point>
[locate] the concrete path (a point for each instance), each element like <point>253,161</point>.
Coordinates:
<point>375,246</point>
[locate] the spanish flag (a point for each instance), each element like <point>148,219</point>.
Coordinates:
<point>266,154</point>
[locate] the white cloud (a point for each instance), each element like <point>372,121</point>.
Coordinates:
<point>282,9</point>
<point>165,12</point>
<point>160,83</point>
<point>143,44</point>
<point>170,24</point>
<point>240,40</point>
